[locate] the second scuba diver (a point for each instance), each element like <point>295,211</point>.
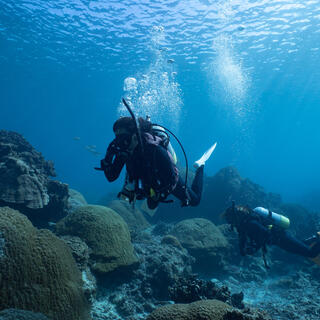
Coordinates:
<point>150,163</point>
<point>257,228</point>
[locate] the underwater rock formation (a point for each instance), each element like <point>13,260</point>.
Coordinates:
<point>131,215</point>
<point>75,200</point>
<point>204,309</point>
<point>204,241</point>
<point>218,192</point>
<point>303,223</point>
<point>106,234</point>
<point>227,185</point>
<point>16,314</point>
<point>37,270</point>
<point>25,183</point>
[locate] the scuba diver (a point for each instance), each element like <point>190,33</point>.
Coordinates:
<point>257,228</point>
<point>151,171</point>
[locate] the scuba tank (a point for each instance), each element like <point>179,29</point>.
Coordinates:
<point>160,132</point>
<point>274,218</point>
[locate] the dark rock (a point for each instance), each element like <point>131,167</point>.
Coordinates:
<point>25,184</point>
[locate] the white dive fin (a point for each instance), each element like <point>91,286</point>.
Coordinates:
<point>205,156</point>
<point>144,207</point>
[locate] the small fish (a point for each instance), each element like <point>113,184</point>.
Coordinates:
<point>170,60</point>
<point>93,150</point>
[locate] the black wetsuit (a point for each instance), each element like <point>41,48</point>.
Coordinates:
<point>256,234</point>
<point>155,170</point>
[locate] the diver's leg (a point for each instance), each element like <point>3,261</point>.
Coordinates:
<point>187,197</point>
<point>197,186</point>
<point>293,245</point>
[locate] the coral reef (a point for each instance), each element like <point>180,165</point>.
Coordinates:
<point>131,215</point>
<point>191,289</point>
<point>105,233</point>
<point>284,292</point>
<point>25,183</point>
<point>16,314</point>
<point>205,309</point>
<point>160,266</point>
<point>37,271</point>
<point>204,241</point>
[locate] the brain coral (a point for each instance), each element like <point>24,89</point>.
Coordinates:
<point>199,310</point>
<point>106,234</point>
<point>37,271</point>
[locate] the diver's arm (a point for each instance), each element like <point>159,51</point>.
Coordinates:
<point>113,162</point>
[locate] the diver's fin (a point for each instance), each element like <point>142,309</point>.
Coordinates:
<point>144,207</point>
<point>205,156</point>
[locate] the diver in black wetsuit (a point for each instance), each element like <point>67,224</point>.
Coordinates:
<point>151,174</point>
<point>259,227</point>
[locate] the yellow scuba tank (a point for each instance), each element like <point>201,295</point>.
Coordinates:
<point>276,219</point>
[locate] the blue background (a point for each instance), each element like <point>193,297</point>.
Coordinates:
<point>245,74</point>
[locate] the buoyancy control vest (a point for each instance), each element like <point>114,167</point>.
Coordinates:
<point>156,137</point>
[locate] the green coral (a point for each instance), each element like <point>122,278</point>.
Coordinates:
<point>106,234</point>
<point>37,271</point>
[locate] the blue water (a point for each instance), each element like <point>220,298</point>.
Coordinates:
<point>243,73</point>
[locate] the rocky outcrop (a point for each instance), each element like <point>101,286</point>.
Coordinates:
<point>204,241</point>
<point>131,215</point>
<point>37,270</point>
<point>106,234</point>
<point>227,185</point>
<point>24,180</point>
